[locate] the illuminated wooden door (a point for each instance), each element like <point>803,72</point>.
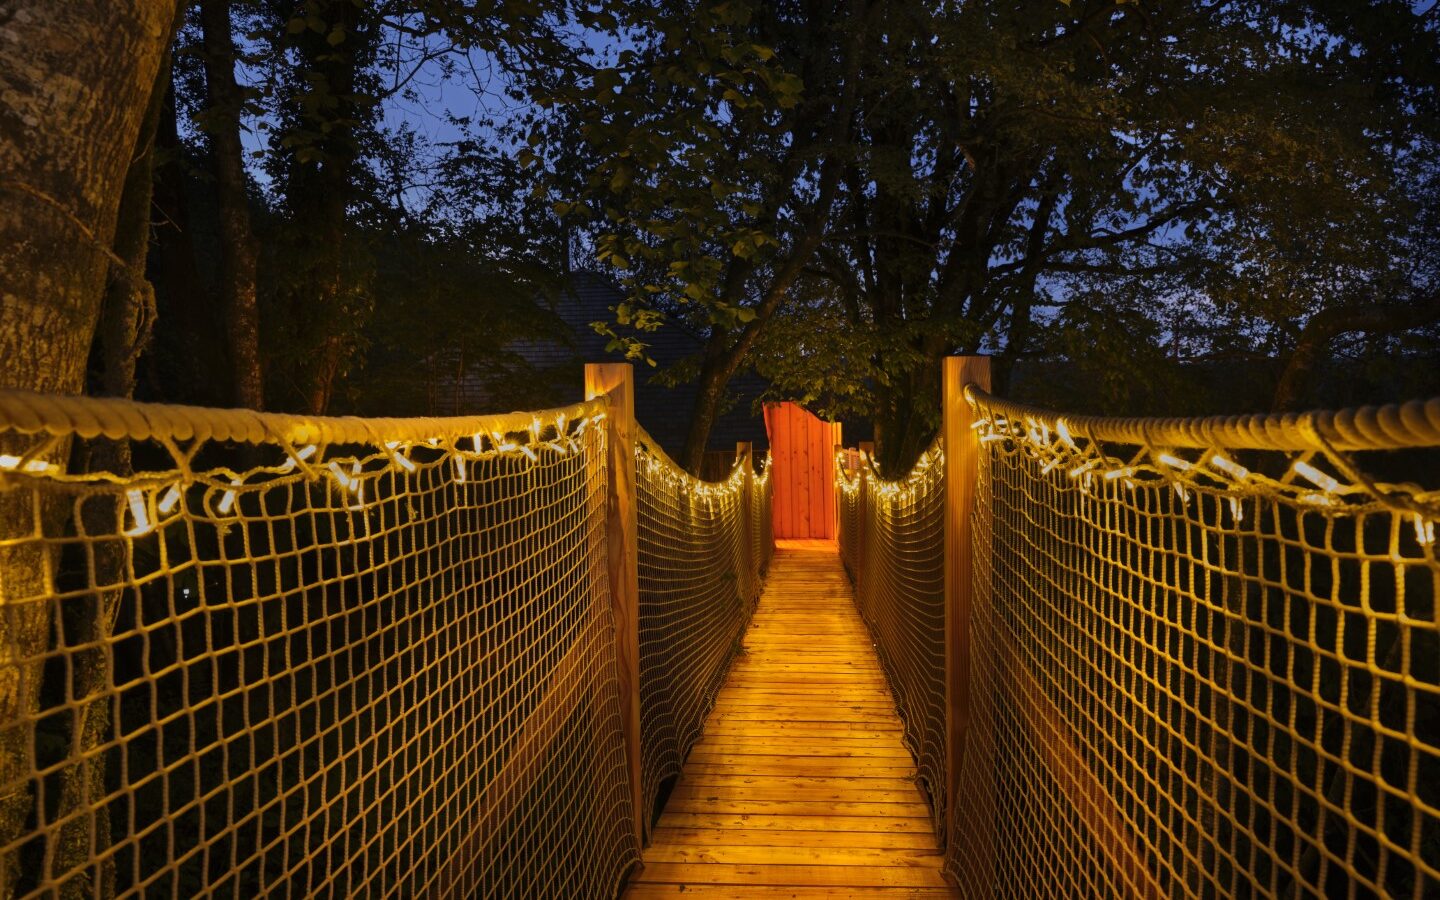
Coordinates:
<point>802,448</point>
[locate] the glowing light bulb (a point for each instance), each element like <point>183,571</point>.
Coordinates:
<point>1424,530</point>
<point>1316,477</point>
<point>301,455</point>
<point>227,500</point>
<point>1064,431</point>
<point>168,502</point>
<point>1175,462</point>
<point>400,459</point>
<point>1233,469</point>
<point>341,477</point>
<point>139,513</point>
<point>35,466</point>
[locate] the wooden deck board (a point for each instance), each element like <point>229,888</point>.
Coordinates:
<point>800,786</point>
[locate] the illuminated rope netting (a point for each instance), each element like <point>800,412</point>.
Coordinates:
<point>700,576</point>
<point>901,594</point>
<point>376,658</point>
<point>847,534</point>
<point>762,525</point>
<point>1205,658</point>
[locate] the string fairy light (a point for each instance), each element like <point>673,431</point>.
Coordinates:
<point>33,466</point>
<point>227,500</point>
<point>138,511</point>
<point>1064,431</point>
<point>1233,469</point>
<point>341,477</point>
<point>400,459</point>
<point>1424,530</point>
<point>1175,462</point>
<point>169,501</point>
<point>300,456</point>
<point>1316,477</point>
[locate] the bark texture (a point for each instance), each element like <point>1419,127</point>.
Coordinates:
<point>225,101</point>
<point>76,79</point>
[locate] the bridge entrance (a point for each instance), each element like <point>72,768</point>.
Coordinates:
<point>802,448</point>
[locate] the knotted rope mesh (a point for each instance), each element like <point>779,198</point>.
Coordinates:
<point>1200,669</point>
<point>847,506</point>
<point>901,595</point>
<point>762,523</point>
<point>354,658</point>
<point>700,576</point>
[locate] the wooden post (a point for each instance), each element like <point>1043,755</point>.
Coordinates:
<point>743,454</point>
<point>840,469</point>
<point>962,471</point>
<point>617,381</point>
<point>862,533</point>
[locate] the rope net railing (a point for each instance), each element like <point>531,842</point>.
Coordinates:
<point>701,561</point>
<point>900,591</point>
<point>1205,657</point>
<point>847,510</point>
<point>762,524</point>
<point>341,658</point>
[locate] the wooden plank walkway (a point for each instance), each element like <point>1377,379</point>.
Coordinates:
<point>800,786</point>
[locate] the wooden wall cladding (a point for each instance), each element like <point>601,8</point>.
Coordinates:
<point>802,447</point>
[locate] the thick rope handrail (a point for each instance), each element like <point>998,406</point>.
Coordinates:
<point>28,412</point>
<point>677,471</point>
<point>1412,424</point>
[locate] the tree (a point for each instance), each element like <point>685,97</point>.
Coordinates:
<point>326,127</point>
<point>1226,161</point>
<point>225,101</point>
<point>705,161</point>
<point>77,78</point>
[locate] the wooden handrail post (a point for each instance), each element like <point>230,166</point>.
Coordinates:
<point>862,533</point>
<point>744,456</point>
<point>617,381</point>
<point>962,473</point>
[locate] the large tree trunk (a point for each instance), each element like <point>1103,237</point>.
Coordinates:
<point>225,101</point>
<point>321,193</point>
<point>724,354</point>
<point>189,363</point>
<point>125,320</point>
<point>76,78</point>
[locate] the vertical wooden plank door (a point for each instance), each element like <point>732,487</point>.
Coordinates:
<point>802,448</point>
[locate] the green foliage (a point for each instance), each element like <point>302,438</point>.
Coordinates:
<point>1117,185</point>
<point>686,159</point>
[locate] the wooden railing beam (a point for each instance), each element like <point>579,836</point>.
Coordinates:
<point>862,529</point>
<point>617,382</point>
<point>962,473</point>
<point>744,456</point>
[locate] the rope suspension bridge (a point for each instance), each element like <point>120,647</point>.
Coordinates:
<point>526,655</point>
